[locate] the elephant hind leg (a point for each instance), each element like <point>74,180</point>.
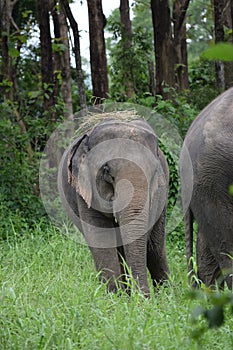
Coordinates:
<point>226,265</point>
<point>157,266</point>
<point>209,271</point>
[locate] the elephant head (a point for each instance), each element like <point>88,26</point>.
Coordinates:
<point>116,169</point>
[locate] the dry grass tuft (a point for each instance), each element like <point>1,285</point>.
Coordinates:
<point>92,119</point>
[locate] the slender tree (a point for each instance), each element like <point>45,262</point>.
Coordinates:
<point>46,57</point>
<point>78,61</point>
<point>219,37</point>
<point>228,23</point>
<point>6,22</point>
<point>99,73</point>
<point>126,35</point>
<point>180,46</point>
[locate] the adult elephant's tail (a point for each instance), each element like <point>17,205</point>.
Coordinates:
<point>188,220</point>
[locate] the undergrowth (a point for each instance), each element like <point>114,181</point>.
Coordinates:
<point>50,298</point>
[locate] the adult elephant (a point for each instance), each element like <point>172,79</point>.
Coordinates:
<point>113,181</point>
<point>206,192</point>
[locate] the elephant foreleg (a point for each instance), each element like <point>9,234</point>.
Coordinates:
<point>107,263</point>
<point>102,239</point>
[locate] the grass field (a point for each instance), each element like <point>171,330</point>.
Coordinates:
<point>50,298</point>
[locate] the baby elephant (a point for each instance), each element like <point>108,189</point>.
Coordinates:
<point>206,193</point>
<point>113,181</point>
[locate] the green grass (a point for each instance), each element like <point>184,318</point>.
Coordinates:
<point>50,298</point>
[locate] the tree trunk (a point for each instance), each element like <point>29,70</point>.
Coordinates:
<point>78,62</point>
<point>228,22</point>
<point>62,59</point>
<point>126,34</point>
<point>6,8</point>
<point>151,68</point>
<point>180,46</point>
<point>56,53</point>
<point>98,58</point>
<point>46,58</point>
<point>219,37</point>
<point>163,43</point>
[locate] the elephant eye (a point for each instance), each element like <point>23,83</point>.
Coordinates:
<point>107,175</point>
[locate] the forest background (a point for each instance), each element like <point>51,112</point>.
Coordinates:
<point>173,57</point>
<point>156,60</point>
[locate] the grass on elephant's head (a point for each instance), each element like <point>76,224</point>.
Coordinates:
<point>50,298</point>
<point>92,119</point>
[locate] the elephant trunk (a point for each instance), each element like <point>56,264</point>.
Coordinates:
<point>131,208</point>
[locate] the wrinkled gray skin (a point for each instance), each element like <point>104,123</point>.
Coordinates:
<point>209,142</point>
<point>135,232</point>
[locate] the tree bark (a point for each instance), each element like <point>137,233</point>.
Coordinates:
<point>6,8</point>
<point>126,34</point>
<point>78,61</point>
<point>163,43</point>
<point>56,53</point>
<point>46,58</point>
<point>151,69</point>
<point>98,58</point>
<point>219,37</point>
<point>180,46</point>
<point>228,22</point>
<point>62,59</point>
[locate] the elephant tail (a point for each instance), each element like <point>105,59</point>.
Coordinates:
<point>188,219</point>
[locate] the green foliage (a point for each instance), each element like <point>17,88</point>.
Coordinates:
<point>134,61</point>
<point>180,114</point>
<point>25,11</point>
<point>231,189</point>
<point>221,52</point>
<point>174,171</point>
<point>51,299</point>
<point>200,27</point>
<point>177,110</point>
<point>202,83</point>
<point>18,174</point>
<point>215,308</point>
<point>22,139</point>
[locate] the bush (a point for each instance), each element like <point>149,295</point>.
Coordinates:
<point>202,83</point>
<point>19,168</point>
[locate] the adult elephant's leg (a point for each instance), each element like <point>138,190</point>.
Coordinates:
<point>226,264</point>
<point>101,237</point>
<point>156,252</point>
<point>208,269</point>
<point>107,263</point>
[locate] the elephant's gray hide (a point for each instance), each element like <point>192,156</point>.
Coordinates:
<point>113,181</point>
<point>206,190</point>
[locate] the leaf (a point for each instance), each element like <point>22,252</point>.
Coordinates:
<point>13,52</point>
<point>219,52</point>
<point>214,317</point>
<point>22,38</point>
<point>59,47</point>
<point>198,311</point>
<point>34,94</point>
<point>231,190</point>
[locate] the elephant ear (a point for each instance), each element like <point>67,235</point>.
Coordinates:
<point>78,169</point>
